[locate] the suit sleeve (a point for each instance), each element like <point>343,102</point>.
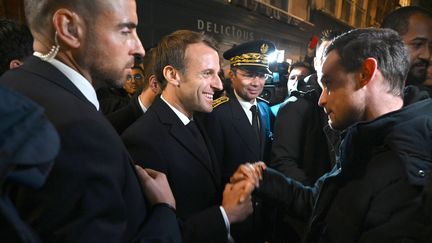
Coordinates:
<point>288,140</point>
<point>277,189</point>
<point>124,117</point>
<point>161,227</point>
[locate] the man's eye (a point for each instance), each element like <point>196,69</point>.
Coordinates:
<point>417,45</point>
<point>126,31</point>
<point>261,75</point>
<point>207,73</point>
<point>138,76</point>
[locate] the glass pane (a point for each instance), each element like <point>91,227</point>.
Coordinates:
<point>346,10</point>
<point>358,18</point>
<point>330,5</point>
<point>281,4</point>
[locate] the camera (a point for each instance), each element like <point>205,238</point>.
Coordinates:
<point>275,88</point>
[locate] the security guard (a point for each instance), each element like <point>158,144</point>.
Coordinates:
<point>240,124</point>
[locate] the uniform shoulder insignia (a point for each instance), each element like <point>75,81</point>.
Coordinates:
<point>219,101</point>
<point>263,100</point>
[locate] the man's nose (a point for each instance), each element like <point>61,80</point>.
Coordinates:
<point>425,54</point>
<point>137,48</point>
<point>217,83</point>
<point>322,101</point>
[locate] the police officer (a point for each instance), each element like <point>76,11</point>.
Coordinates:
<point>240,124</point>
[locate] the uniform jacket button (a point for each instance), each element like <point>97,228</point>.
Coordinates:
<point>421,173</point>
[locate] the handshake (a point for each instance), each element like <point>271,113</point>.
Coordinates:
<point>237,198</point>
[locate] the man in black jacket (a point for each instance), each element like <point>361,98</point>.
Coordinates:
<point>94,193</point>
<point>377,190</point>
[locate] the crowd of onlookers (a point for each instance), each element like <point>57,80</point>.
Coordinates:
<point>103,141</point>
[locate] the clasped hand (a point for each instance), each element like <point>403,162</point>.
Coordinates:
<point>237,199</point>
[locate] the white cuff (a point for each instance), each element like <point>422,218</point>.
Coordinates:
<point>227,224</point>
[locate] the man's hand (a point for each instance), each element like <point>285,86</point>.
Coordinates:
<point>155,186</point>
<point>251,172</point>
<point>237,200</point>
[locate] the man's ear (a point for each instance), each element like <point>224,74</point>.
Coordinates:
<point>171,75</point>
<point>15,63</point>
<point>367,71</point>
<point>231,74</point>
<point>153,84</point>
<point>69,27</point>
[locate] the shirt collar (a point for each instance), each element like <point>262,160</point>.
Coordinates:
<point>246,105</point>
<point>83,85</point>
<point>185,120</point>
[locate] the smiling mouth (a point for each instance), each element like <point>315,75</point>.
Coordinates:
<point>208,95</point>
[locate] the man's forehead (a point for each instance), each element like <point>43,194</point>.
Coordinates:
<point>330,62</point>
<point>420,26</point>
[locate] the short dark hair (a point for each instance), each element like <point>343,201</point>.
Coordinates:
<point>385,45</point>
<point>16,42</point>
<point>398,20</point>
<point>39,13</point>
<point>328,35</point>
<point>149,66</point>
<point>171,51</point>
<point>302,65</point>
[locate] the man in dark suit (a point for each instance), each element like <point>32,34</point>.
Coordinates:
<point>240,126</point>
<point>170,138</point>
<point>231,124</point>
<point>93,193</point>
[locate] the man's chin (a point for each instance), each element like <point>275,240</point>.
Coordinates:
<point>416,77</point>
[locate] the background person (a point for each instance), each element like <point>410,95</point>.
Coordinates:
<point>16,44</point>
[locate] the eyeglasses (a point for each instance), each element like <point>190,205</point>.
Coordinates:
<point>137,77</point>
<point>252,75</point>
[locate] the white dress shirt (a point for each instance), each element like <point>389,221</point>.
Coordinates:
<point>83,85</point>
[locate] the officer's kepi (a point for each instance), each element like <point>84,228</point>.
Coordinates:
<point>252,55</point>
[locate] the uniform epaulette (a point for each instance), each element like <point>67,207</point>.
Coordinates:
<point>220,101</point>
<point>263,100</point>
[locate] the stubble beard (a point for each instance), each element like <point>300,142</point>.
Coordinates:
<point>415,79</point>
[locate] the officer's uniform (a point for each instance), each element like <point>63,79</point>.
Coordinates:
<point>231,132</point>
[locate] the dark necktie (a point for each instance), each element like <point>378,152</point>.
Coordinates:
<point>255,125</point>
<point>197,135</point>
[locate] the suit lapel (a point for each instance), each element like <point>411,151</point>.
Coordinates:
<point>212,159</point>
<point>243,127</point>
<point>182,134</point>
<point>49,72</point>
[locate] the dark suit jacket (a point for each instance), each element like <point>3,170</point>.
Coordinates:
<point>234,139</point>
<point>124,117</point>
<point>159,140</point>
<point>300,148</point>
<point>92,194</point>
<point>111,99</point>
